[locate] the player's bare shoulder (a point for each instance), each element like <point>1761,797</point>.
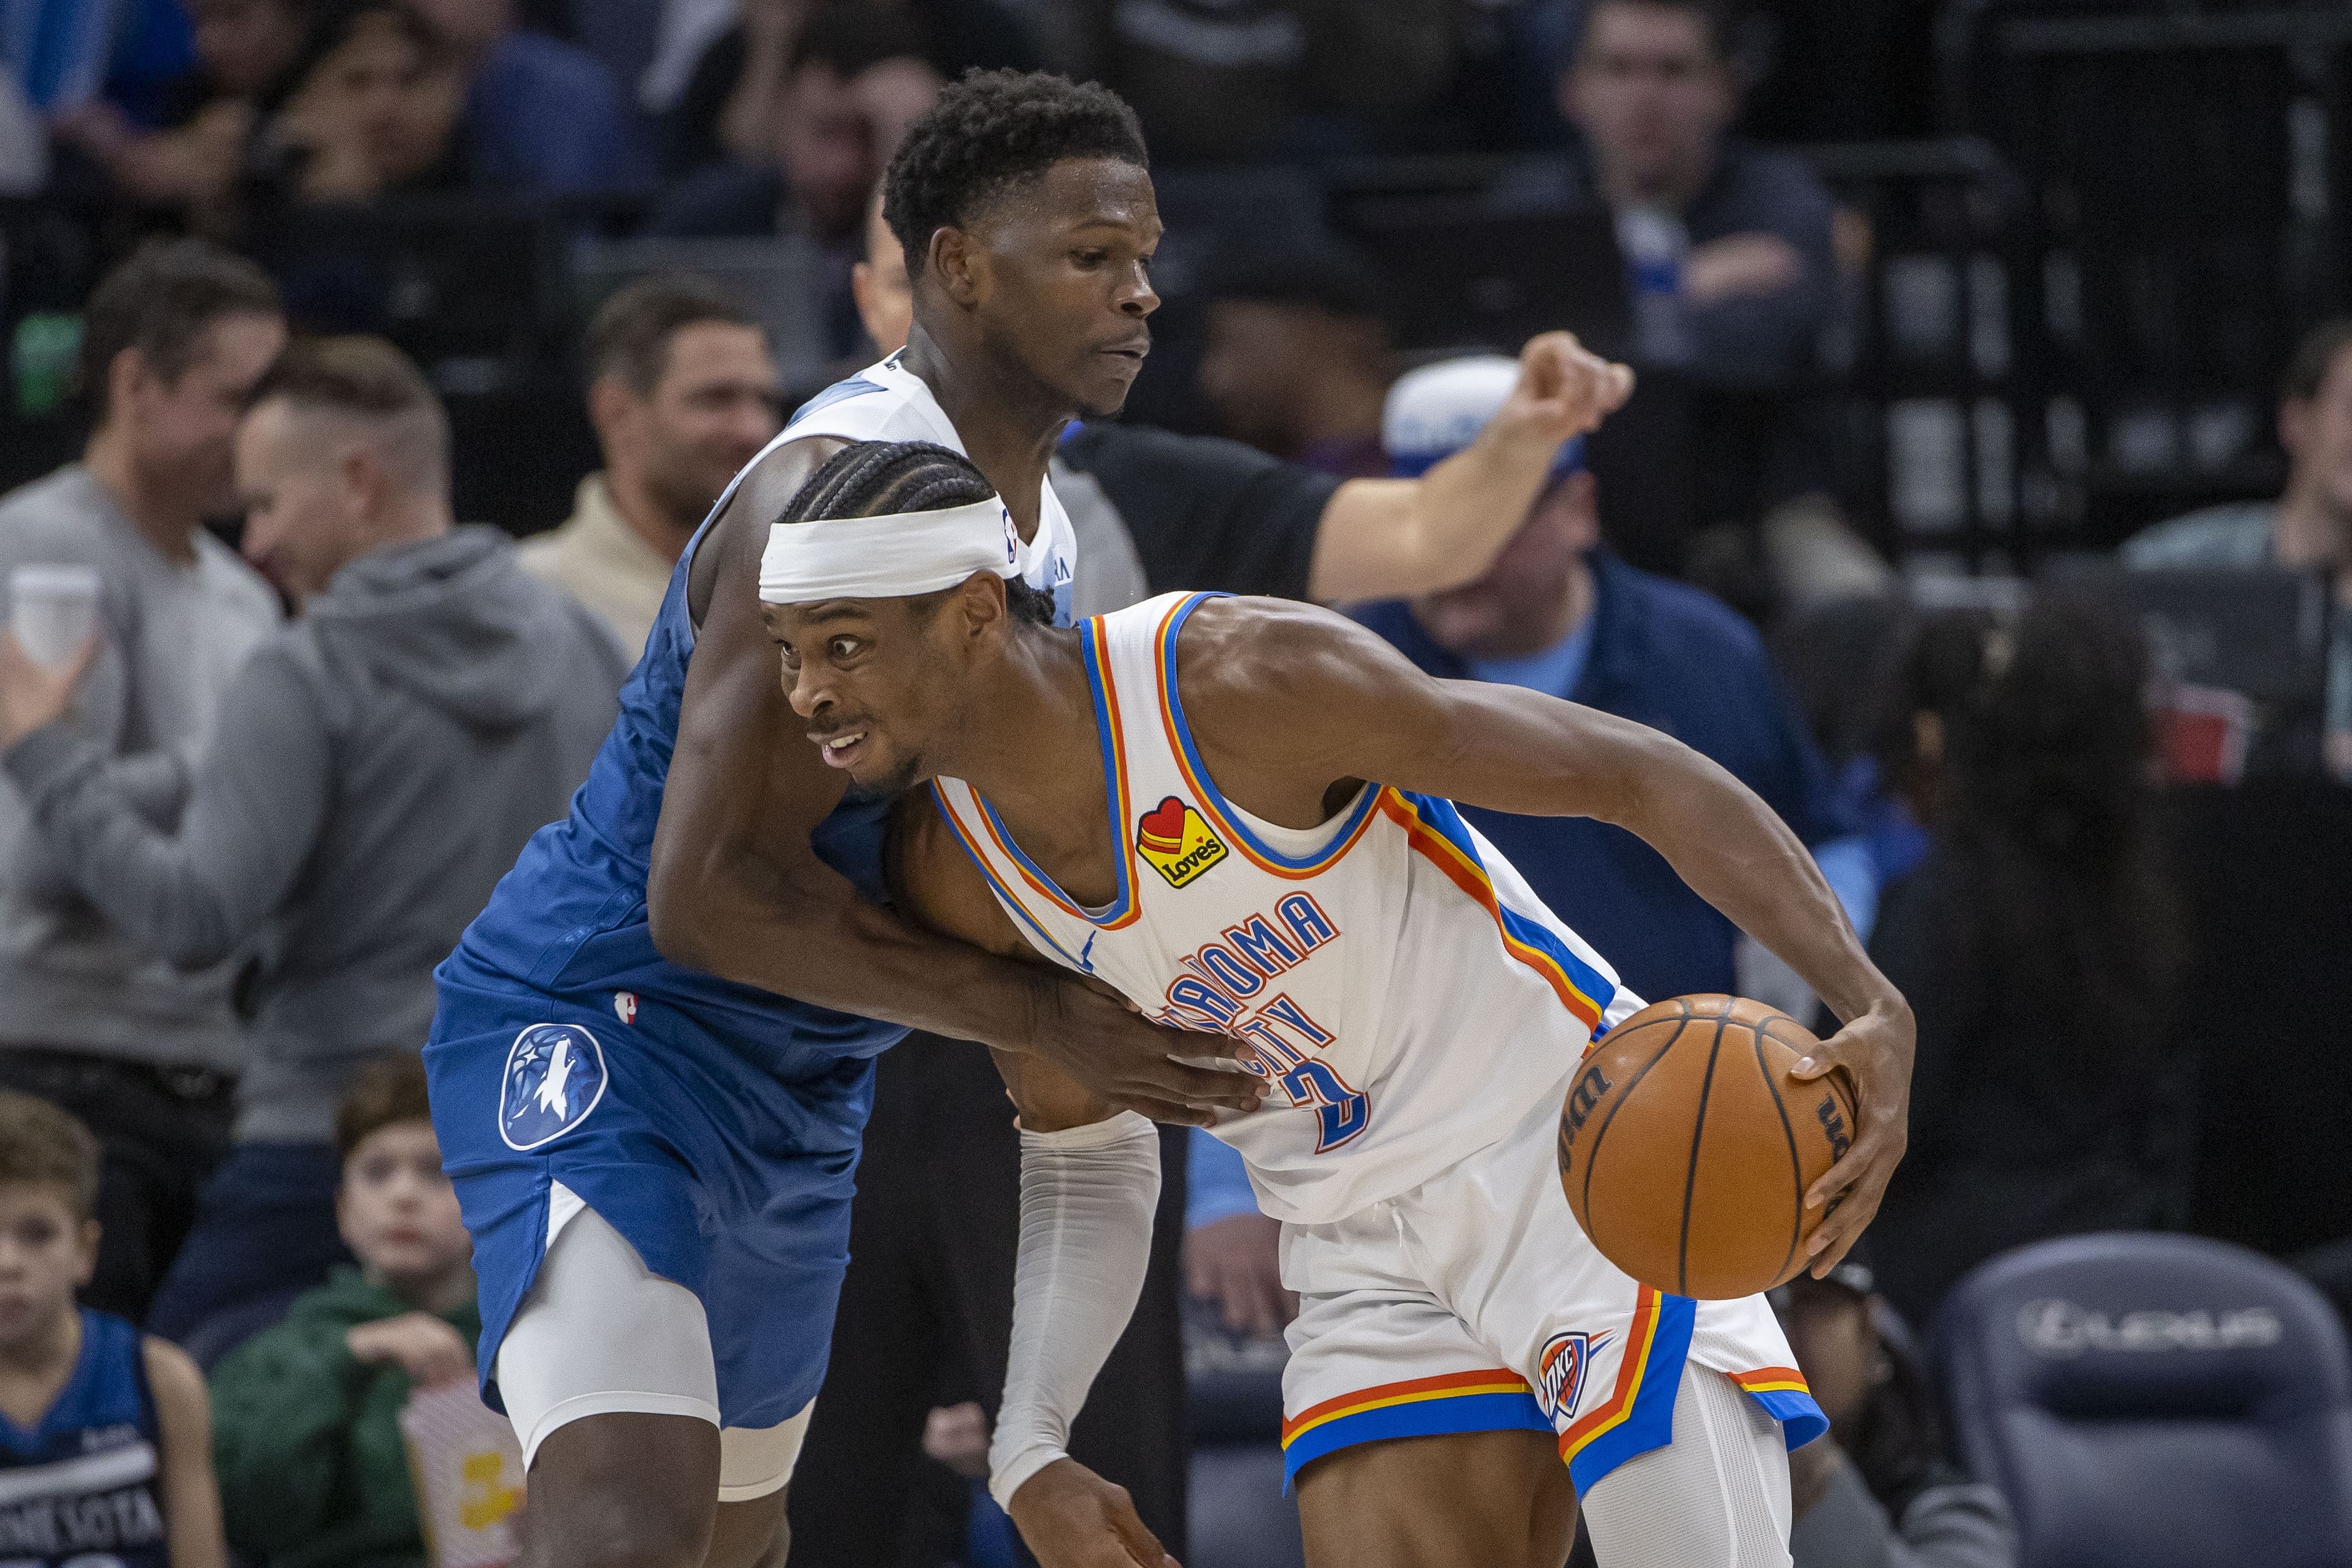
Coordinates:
<point>740,533</point>
<point>1279,696</point>
<point>1242,662</point>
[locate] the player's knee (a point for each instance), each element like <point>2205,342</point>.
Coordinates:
<point>618,1533</point>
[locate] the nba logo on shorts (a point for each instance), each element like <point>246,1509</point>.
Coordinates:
<point>555,1075</point>
<point>1560,1377</point>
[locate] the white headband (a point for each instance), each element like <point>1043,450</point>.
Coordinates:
<point>893,556</point>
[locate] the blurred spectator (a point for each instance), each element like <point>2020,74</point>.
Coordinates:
<point>856,79</point>
<point>24,143</point>
<point>306,1423</point>
<point>171,343</point>
<point>1296,362</point>
<point>741,86</point>
<point>2308,528</point>
<point>682,392</point>
<point>1728,246</point>
<point>373,111</point>
<point>377,765</point>
<point>1881,1490</point>
<point>2038,943</point>
<point>1560,614</point>
<point>244,50</point>
<point>540,115</point>
<point>80,1391</point>
<point>1230,79</point>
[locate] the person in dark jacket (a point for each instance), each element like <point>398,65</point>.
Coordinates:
<point>1881,1489</point>
<point>1557,612</point>
<point>306,1415</point>
<point>2038,943</point>
<point>376,766</point>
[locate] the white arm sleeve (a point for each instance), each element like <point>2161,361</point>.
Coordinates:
<point>1086,1201</point>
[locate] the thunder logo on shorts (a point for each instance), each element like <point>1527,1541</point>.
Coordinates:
<point>1176,840</point>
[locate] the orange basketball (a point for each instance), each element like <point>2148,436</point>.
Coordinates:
<point>1685,1147</point>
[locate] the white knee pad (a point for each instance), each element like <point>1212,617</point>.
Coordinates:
<point>1716,1497</point>
<point>601,1332</point>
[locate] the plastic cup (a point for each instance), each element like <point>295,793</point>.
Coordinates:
<point>51,609</point>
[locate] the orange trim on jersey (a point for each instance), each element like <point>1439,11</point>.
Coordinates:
<point>1633,1366</point>
<point>973,847</point>
<point>1471,877</point>
<point>1772,1380</point>
<point>1447,1386</point>
<point>1212,804</point>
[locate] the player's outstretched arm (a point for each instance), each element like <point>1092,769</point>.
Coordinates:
<point>736,888</point>
<point>1291,704</point>
<point>1392,538</point>
<point>1089,1184</point>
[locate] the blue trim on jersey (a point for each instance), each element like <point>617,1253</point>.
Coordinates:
<point>1421,1418</point>
<point>1800,1419</point>
<point>1443,819</point>
<point>1117,910</point>
<point>839,391</point>
<point>1004,894</point>
<point>1341,833</point>
<point>1650,1424</point>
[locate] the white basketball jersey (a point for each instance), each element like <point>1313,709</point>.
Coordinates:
<point>1407,996</point>
<point>886,401</point>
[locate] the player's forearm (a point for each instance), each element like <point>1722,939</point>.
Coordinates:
<point>1736,853</point>
<point>1395,538</point>
<point>1086,1201</point>
<point>812,938</point>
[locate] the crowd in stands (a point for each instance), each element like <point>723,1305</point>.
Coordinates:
<point>320,711</point>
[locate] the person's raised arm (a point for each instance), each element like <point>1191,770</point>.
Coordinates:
<point>736,888</point>
<point>192,1508</point>
<point>1289,702</point>
<point>1395,539</point>
<point>1089,1184</point>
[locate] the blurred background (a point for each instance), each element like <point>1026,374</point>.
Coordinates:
<point>1994,374</point>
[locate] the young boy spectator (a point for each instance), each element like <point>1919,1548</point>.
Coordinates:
<point>306,1428</point>
<point>105,1456</point>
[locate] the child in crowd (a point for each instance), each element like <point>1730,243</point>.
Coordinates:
<point>308,1426</point>
<point>105,1446</point>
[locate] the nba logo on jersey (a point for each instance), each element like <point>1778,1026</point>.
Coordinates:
<point>555,1075</point>
<point>1565,1357</point>
<point>1177,842</point>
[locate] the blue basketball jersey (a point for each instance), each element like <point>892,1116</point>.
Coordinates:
<point>81,1486</point>
<point>570,919</point>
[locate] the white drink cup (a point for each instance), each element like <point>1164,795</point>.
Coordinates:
<point>51,609</point>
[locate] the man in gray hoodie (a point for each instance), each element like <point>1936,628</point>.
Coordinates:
<point>376,768</point>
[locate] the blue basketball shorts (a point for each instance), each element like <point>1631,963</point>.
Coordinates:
<point>723,1179</point>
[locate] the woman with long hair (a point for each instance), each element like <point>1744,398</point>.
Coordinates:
<point>2038,943</point>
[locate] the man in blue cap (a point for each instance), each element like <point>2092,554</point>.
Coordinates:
<point>1559,613</point>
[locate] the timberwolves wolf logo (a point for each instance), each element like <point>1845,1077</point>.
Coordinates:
<point>1559,1381</point>
<point>555,1075</point>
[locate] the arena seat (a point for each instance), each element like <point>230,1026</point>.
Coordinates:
<point>2153,1400</point>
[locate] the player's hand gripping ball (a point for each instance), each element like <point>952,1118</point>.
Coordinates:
<point>1685,1147</point>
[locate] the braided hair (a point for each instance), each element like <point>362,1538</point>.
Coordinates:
<point>877,478</point>
<point>992,130</point>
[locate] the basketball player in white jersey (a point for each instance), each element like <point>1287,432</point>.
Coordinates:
<point>1236,813</point>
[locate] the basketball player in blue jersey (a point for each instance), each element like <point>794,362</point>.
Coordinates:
<point>1238,813</point>
<point>652,1060</point>
<point>106,1443</point>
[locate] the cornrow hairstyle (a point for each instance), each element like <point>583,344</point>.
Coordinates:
<point>992,130</point>
<point>876,479</point>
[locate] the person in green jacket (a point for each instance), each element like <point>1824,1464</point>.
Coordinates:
<point>305,1415</point>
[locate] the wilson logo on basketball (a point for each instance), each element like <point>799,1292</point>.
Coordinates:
<point>1177,842</point>
<point>1560,1377</point>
